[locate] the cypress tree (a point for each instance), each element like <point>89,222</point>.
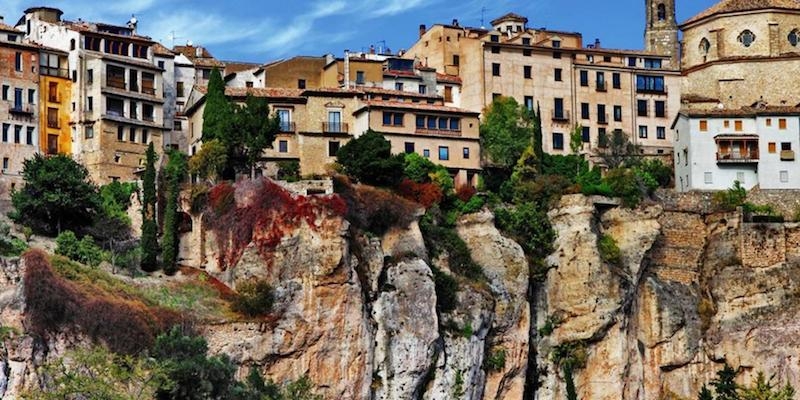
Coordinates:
<point>175,172</point>
<point>218,112</point>
<point>149,242</point>
<point>537,136</point>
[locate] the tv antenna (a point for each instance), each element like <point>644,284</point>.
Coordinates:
<point>172,37</point>
<point>483,17</point>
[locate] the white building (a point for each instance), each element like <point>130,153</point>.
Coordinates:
<point>754,145</point>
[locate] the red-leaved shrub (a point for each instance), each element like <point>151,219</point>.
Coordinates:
<point>426,194</point>
<point>465,193</point>
<point>121,321</point>
<point>261,212</point>
<point>375,210</point>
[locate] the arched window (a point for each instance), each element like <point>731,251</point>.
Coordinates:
<point>662,12</point>
<point>72,44</point>
<point>793,37</point>
<point>705,45</point>
<point>746,38</point>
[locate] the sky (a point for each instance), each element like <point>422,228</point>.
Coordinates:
<point>265,30</point>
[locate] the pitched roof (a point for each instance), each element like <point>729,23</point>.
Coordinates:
<point>509,16</point>
<point>743,112</point>
<point>257,92</point>
<point>416,106</point>
<point>236,66</point>
<point>160,50</point>
<point>731,6</point>
<point>8,28</point>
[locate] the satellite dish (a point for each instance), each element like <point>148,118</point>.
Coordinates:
<point>189,43</point>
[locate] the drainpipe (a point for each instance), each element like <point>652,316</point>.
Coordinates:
<point>347,69</point>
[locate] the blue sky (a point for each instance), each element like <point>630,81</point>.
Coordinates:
<point>264,30</point>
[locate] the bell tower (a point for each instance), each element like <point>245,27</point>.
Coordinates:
<point>661,29</point>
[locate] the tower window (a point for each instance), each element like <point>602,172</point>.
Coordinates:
<point>705,45</point>
<point>662,12</point>
<point>746,38</point>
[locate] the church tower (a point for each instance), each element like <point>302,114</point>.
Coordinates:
<point>661,29</point>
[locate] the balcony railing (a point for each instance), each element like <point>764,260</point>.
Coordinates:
<point>286,126</point>
<point>560,115</point>
<point>787,155</point>
<point>335,127</point>
<point>53,123</point>
<point>148,88</point>
<point>652,90</point>
<point>602,119</point>
<point>115,82</point>
<point>21,109</point>
<point>53,98</point>
<point>149,118</point>
<point>51,71</point>
<point>734,157</point>
<point>437,132</point>
<point>601,86</point>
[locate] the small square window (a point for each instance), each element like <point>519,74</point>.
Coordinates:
<point>726,124</point>
<point>301,83</point>
<point>708,178</point>
<point>642,132</point>
<point>737,126</point>
<point>784,176</point>
<point>495,49</point>
<point>771,148</point>
<point>703,126</point>
<point>444,153</point>
<point>558,141</point>
<point>495,69</point>
<point>333,148</point>
<point>557,74</point>
<point>769,121</point>
<point>426,153</point>
<point>409,147</point>
<point>782,123</point>
<point>526,72</point>
<point>466,153</point>
<point>283,146</point>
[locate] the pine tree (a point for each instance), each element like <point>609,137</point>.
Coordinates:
<point>725,384</point>
<point>218,112</point>
<point>175,172</point>
<point>705,394</point>
<point>149,242</point>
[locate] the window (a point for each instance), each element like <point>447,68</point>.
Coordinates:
<point>18,61</point>
<point>600,81</point>
<point>661,108</point>
<point>161,64</point>
<point>602,138</point>
<point>584,78</point>
<point>782,123</point>
<point>52,118</point>
<point>426,153</point>
<point>786,146</point>
<point>148,83</point>
<point>495,49</point>
<point>556,44</point>
<point>5,92</point>
<point>526,72</point>
<point>769,121</point>
<point>398,86</point>
<point>5,163</point>
<point>557,74</point>
<point>333,148</point>
<point>661,133</point>
<point>737,126</point>
<point>6,127</point>
<point>585,110</point>
<point>705,45</point>
<point>145,136</point>
<point>89,103</point>
<point>585,134</point>
<point>703,126</point>
<point>631,61</point>
<point>771,148</point>
<point>120,133</point>
<point>652,63</point>
<point>88,132</point>
<point>423,89</point>
<point>283,146</point>
<point>132,135</point>
<point>134,111</point>
<point>556,54</point>
<point>494,38</point>
<point>409,147</point>
<point>115,77</point>
<point>448,94</point>
<point>17,99</point>
<point>526,41</point>
<point>708,178</point>
<point>641,108</point>
<point>617,113</point>
<point>606,58</point>
<point>89,76</point>
<point>31,96</point>
<point>52,92</point>
<point>177,125</point>
<point>558,141</point>
<point>526,52</point>
<point>495,69</point>
<point>529,102</point>
<point>179,89</point>
<point>465,153</point>
<point>392,118</point>
<point>455,124</point>
<point>301,83</point>
<point>642,132</point>
<point>746,38</point>
<point>444,153</point>
<point>649,83</point>
<point>558,108</point>
<point>784,176</point>
<point>601,114</point>
<point>456,60</point>
<point>133,80</point>
<point>360,78</point>
<point>17,133</point>
<point>793,37</point>
<point>335,121</point>
<point>148,112</point>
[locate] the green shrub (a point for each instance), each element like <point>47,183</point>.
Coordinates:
<point>609,251</point>
<point>550,324</point>
<point>439,239</point>
<point>474,205</point>
<point>467,331</point>
<point>369,159</point>
<point>496,360</point>
<point>9,245</point>
<point>661,172</point>
<point>728,200</point>
<point>289,171</point>
<point>253,299</point>
<point>84,251</point>
<point>446,291</point>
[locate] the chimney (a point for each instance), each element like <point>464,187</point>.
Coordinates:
<point>597,43</point>
<point>422,30</point>
<point>455,22</point>
<point>372,49</point>
<point>347,69</point>
<point>198,52</point>
<point>2,19</point>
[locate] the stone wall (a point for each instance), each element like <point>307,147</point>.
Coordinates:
<point>762,245</point>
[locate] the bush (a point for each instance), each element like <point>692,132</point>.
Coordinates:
<point>609,251</point>
<point>728,200</point>
<point>658,170</point>
<point>84,251</point>
<point>253,299</point>
<point>474,205</point>
<point>625,185</point>
<point>9,245</point>
<point>439,239</point>
<point>369,159</point>
<point>496,360</point>
<point>418,168</point>
<point>289,171</point>
<point>374,210</point>
<point>426,194</point>
<point>446,291</point>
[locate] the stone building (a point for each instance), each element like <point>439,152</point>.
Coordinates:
<point>117,92</point>
<point>19,105</point>
<point>636,91</point>
<point>55,93</point>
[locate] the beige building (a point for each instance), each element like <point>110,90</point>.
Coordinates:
<point>600,89</point>
<point>117,91</point>
<point>737,53</point>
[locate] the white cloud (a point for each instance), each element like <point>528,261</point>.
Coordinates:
<point>392,7</point>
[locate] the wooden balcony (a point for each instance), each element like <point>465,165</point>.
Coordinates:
<point>736,157</point>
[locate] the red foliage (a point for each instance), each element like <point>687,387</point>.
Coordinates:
<point>375,210</point>
<point>54,304</point>
<point>266,213</point>
<point>465,193</point>
<point>426,194</point>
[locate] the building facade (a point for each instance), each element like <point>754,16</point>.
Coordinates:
<point>55,93</point>
<point>600,89</point>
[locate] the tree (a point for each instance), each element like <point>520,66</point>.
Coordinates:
<point>210,161</point>
<point>725,384</point>
<point>57,195</point>
<point>705,394</point>
<point>253,130</point>
<point>149,241</point>
<point>764,389</point>
<point>218,112</point>
<point>506,131</point>
<point>175,173</point>
<point>538,145</point>
<point>576,139</point>
<point>369,159</point>
<point>620,150</point>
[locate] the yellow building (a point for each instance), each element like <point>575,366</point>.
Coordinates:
<point>55,91</point>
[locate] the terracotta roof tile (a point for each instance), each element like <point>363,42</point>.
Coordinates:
<point>400,93</point>
<point>418,106</point>
<point>160,50</point>
<point>235,66</point>
<point>444,78</point>
<point>731,6</point>
<point>742,112</point>
<point>257,92</point>
<point>8,28</point>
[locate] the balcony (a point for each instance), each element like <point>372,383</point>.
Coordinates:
<point>602,119</point>
<point>736,157</point>
<point>737,149</point>
<point>560,115</point>
<point>286,126</point>
<point>438,132</point>
<point>787,155</point>
<point>57,72</point>
<point>645,90</point>
<point>21,109</point>
<point>335,127</point>
<point>117,82</point>
<point>601,86</point>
